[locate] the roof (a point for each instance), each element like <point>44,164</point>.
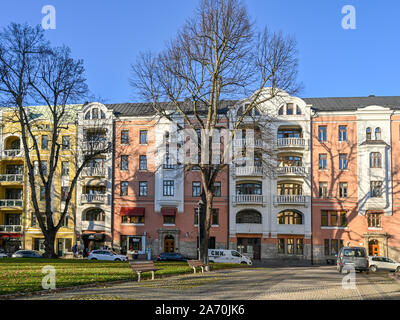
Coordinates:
<point>353,103</point>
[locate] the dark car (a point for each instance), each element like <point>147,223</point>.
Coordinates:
<point>353,257</point>
<point>26,254</point>
<point>171,257</point>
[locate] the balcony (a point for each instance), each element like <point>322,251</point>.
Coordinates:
<point>93,198</point>
<point>93,225</point>
<point>5,203</point>
<point>255,143</point>
<point>292,143</point>
<point>10,228</point>
<point>11,178</point>
<point>95,145</point>
<point>249,171</point>
<point>248,199</point>
<point>12,153</point>
<point>292,171</point>
<point>250,228</point>
<point>291,200</point>
<point>93,172</point>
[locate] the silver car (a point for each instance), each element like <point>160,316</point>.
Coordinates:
<point>383,263</point>
<point>352,257</point>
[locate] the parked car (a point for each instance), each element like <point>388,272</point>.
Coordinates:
<point>3,254</point>
<point>106,255</point>
<point>171,256</point>
<point>227,256</point>
<point>27,254</point>
<point>352,257</point>
<point>383,263</point>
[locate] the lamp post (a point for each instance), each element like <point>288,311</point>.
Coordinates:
<point>200,204</point>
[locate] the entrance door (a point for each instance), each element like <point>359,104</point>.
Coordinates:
<point>250,247</point>
<point>169,244</point>
<point>373,248</point>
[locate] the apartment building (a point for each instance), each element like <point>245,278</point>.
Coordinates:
<point>155,199</point>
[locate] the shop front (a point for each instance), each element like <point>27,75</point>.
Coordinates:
<point>92,241</point>
<point>133,245</point>
<point>10,242</point>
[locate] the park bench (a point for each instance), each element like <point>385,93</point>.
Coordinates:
<point>195,264</point>
<point>143,266</point>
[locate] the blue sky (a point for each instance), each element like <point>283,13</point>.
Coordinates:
<point>108,35</point>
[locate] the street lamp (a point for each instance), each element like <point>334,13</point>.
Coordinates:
<point>200,204</point>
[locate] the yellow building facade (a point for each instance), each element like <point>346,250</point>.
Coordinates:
<point>19,228</point>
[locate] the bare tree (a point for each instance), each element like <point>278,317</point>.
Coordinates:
<point>218,54</point>
<point>32,72</point>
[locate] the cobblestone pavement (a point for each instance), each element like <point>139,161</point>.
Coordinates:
<point>301,283</point>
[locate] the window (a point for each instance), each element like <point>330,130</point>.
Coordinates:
<point>290,217</point>
<point>44,168</point>
<point>248,216</point>
<point>64,193</point>
<point>324,218</point>
<point>323,189</point>
<point>133,219</point>
<point>168,187</point>
<point>334,218</point>
<point>289,189</point>
<point>299,246</point>
<point>326,247</point>
<point>65,142</point>
<point>143,136</point>
<point>376,189</point>
<point>214,217</point>
<point>143,163</point>
<point>368,133</point>
<point>125,137</point>
<point>248,188</point>
<point>143,188</point>
<point>169,219</point>
<point>124,188</point>
<point>343,219</point>
<point>217,189</point>
<point>289,109</point>
<point>342,133</point>
<point>281,245</point>
<point>298,110</point>
<point>374,220</point>
<point>95,113</point>
<point>94,215</point>
<point>281,110</point>
<point>65,168</point>
<point>124,163</point>
<point>375,160</point>
<point>290,246</point>
<point>45,142</point>
<point>332,246</point>
<point>343,161</point>
<point>323,161</point>
<point>42,193</point>
<point>196,189</point>
<point>322,133</point>
<point>343,189</point>
<point>378,134</point>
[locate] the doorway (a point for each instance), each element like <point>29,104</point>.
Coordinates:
<point>373,248</point>
<point>169,244</point>
<point>251,247</point>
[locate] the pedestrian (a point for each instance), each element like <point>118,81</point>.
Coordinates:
<point>75,250</point>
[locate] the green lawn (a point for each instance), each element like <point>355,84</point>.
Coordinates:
<point>25,275</point>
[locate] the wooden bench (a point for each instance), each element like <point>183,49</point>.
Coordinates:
<point>143,266</point>
<point>195,264</point>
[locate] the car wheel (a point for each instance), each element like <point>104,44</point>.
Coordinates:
<point>373,268</point>
<point>243,262</point>
<point>398,269</point>
<point>93,259</point>
<point>117,259</point>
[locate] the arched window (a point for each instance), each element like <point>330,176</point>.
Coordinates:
<point>290,217</point>
<point>378,133</point>
<point>93,215</point>
<point>290,189</point>
<point>375,160</point>
<point>248,216</point>
<point>87,115</point>
<point>298,110</point>
<point>102,114</point>
<point>368,133</point>
<point>249,188</point>
<point>280,111</point>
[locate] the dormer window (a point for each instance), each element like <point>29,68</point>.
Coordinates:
<point>378,134</point>
<point>87,115</point>
<point>298,110</point>
<point>280,112</point>
<point>95,113</point>
<point>289,109</point>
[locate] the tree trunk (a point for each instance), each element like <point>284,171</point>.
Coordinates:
<point>205,224</point>
<point>49,242</point>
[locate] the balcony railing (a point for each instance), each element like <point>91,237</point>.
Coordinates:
<point>11,177</point>
<point>249,171</point>
<point>12,153</point>
<point>93,198</point>
<point>10,203</point>
<point>257,143</point>
<point>291,199</point>
<point>292,170</point>
<point>95,145</point>
<point>248,199</point>
<point>93,172</point>
<point>10,228</point>
<point>292,143</point>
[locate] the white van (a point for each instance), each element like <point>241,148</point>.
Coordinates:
<point>227,256</point>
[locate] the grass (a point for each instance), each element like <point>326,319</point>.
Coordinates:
<point>25,275</point>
